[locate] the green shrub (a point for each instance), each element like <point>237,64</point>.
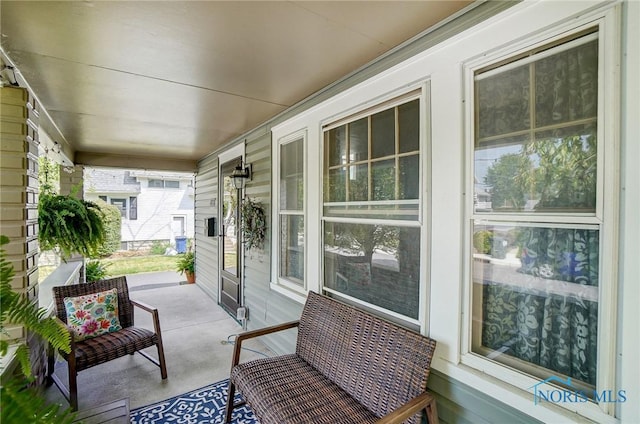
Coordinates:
<point>158,247</point>
<point>95,271</point>
<point>112,221</point>
<point>483,241</point>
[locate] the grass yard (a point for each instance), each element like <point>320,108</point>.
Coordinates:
<point>137,264</point>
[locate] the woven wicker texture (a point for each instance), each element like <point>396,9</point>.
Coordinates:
<point>125,309</point>
<point>286,389</point>
<point>381,365</point>
<point>91,352</point>
<point>104,348</point>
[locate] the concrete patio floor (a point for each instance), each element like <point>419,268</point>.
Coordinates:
<point>195,332</point>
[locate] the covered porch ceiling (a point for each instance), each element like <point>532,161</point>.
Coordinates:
<point>160,84</point>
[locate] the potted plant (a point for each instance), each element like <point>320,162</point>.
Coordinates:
<point>186,265</point>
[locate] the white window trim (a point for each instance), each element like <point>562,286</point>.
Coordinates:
<point>420,91</point>
<point>285,286</point>
<point>605,215</point>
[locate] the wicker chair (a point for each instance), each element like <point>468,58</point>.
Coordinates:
<point>349,367</point>
<point>90,352</point>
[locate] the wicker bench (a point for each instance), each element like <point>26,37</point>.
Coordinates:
<point>349,367</point>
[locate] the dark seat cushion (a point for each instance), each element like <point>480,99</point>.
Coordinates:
<point>110,346</point>
<point>286,389</point>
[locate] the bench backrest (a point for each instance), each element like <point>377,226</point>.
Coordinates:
<point>379,364</point>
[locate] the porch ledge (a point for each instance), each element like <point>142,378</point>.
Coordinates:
<point>65,274</point>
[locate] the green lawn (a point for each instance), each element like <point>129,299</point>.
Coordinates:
<point>138,264</point>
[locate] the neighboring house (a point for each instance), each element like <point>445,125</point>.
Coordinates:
<point>155,206</point>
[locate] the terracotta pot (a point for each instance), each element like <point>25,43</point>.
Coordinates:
<point>191,277</point>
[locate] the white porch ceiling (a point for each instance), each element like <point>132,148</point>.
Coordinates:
<point>138,82</point>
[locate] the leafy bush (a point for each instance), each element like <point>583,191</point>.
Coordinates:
<point>95,271</point>
<point>159,247</point>
<point>112,221</point>
<point>483,241</point>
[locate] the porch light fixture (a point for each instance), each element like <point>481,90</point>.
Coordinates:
<point>241,175</point>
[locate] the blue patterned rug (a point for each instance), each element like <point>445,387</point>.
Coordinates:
<point>205,405</point>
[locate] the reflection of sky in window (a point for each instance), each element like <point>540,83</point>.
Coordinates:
<point>485,158</point>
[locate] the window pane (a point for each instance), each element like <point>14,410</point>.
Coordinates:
<point>156,183</point>
<point>171,184</point>
<point>359,140</point>
<point>383,180</point>
<point>383,134</point>
<point>335,188</point>
<point>410,177</point>
<point>503,102</point>
<point>122,205</point>
<point>133,208</point>
<point>535,297</point>
<point>336,145</point>
<point>292,248</point>
<point>567,85</point>
<point>291,176</point>
<point>409,126</point>
<point>359,182</point>
<point>377,264</point>
<point>554,172</point>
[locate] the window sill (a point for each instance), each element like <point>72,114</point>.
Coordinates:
<point>517,390</point>
<point>297,296</point>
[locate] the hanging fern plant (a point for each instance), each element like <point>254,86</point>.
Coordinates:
<point>254,223</point>
<point>70,224</point>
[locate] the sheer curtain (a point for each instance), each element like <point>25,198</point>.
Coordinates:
<point>554,328</point>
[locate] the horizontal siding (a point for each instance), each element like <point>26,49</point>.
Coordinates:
<point>206,194</point>
<point>461,404</point>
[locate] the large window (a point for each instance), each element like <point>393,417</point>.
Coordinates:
<point>536,227</point>
<point>371,207</point>
<point>291,231</point>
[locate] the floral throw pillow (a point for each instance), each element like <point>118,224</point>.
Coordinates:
<point>93,314</point>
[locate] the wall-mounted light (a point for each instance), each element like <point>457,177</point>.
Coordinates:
<point>241,175</point>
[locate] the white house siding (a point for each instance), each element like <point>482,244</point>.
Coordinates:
<point>466,394</point>
<point>156,207</point>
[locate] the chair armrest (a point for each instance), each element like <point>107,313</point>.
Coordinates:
<point>153,311</point>
<point>143,305</point>
<point>257,333</point>
<point>407,410</point>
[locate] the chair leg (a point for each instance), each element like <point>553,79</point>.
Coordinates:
<point>73,383</point>
<point>229,409</point>
<point>51,365</point>
<point>163,364</point>
<point>432,412</point>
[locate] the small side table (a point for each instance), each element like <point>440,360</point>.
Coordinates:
<point>112,413</point>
